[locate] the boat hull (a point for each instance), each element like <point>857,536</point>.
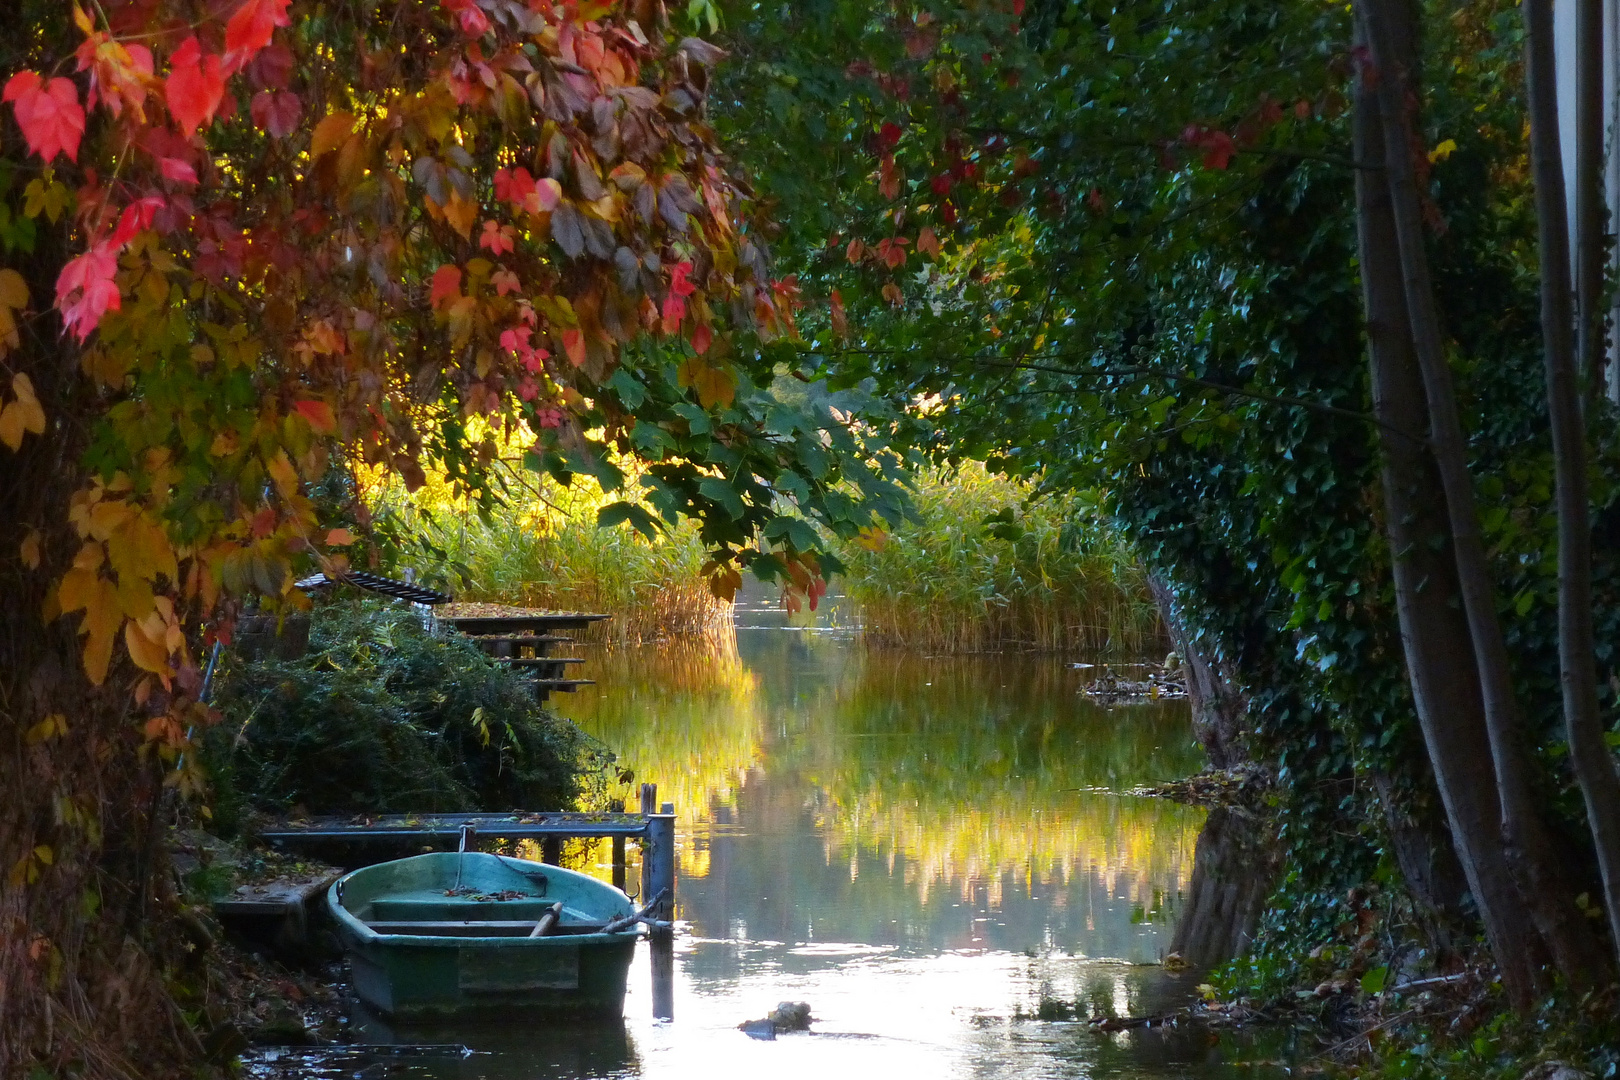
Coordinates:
<point>440,954</point>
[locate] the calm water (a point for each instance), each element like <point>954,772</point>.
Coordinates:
<point>921,848</point>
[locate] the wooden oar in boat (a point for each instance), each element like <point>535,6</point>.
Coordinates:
<point>547,921</point>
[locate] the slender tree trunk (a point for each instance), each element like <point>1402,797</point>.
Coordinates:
<point>1588,192</point>
<point>1588,753</point>
<point>1218,707</point>
<point>1434,631</point>
<point>1525,839</point>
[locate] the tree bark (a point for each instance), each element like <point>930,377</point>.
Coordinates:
<point>1588,752</point>
<point>1434,631</point>
<point>1218,708</point>
<point>1589,335</point>
<point>1525,840</point>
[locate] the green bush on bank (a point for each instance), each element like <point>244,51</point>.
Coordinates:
<point>384,716</point>
<point>989,566</point>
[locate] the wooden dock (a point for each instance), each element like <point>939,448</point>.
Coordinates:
<point>525,641</point>
<point>359,840</point>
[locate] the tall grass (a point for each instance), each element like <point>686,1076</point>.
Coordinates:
<point>1047,575</point>
<point>543,550</point>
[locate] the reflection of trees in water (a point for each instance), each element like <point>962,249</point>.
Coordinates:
<point>1233,872</point>
<point>961,773</point>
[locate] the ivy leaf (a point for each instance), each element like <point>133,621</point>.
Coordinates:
<point>195,86</point>
<point>51,118</point>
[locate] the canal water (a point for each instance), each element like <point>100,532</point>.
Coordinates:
<point>933,852</point>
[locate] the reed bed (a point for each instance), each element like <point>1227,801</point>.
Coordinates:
<point>1044,574</point>
<point>543,549</point>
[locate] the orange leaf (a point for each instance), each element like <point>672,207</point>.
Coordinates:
<point>330,133</point>
<point>574,346</point>
<point>927,242</point>
<point>339,538</point>
<point>319,415</point>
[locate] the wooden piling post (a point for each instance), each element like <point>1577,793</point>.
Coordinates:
<point>658,863</point>
<point>551,850</point>
<point>617,807</point>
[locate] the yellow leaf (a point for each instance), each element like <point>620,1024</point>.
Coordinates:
<point>147,654</point>
<point>13,290</point>
<point>44,854</point>
<point>282,472</point>
<point>29,549</point>
<point>461,214</point>
<point>11,425</point>
<point>339,538</point>
<point>102,618</point>
<point>330,133</point>
<point>50,727</point>
<point>1443,151</point>
<point>108,515</point>
<point>33,415</point>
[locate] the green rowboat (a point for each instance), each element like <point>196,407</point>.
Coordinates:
<point>449,933</point>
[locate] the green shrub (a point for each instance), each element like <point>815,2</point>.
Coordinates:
<point>383,716</point>
<point>990,566</point>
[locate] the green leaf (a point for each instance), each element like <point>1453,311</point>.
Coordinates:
<point>1373,981</point>
<point>621,511</point>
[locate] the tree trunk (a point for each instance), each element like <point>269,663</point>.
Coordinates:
<point>1588,753</point>
<point>1525,840</point>
<point>1218,708</point>
<point>1588,192</point>
<point>80,989</point>
<point>1434,631</point>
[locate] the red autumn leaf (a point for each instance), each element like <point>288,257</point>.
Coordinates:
<point>319,415</point>
<point>277,111</point>
<point>889,135</point>
<point>195,86</point>
<point>474,23</point>
<point>496,238</point>
<point>840,322</point>
<point>271,69</point>
<point>249,31</point>
<point>85,290</point>
<point>1218,150</point>
<point>675,303</point>
<point>51,118</point>
<point>574,346</point>
<point>177,170</point>
<point>446,285</point>
<point>702,338</point>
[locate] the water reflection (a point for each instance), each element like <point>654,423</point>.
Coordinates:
<point>925,849</point>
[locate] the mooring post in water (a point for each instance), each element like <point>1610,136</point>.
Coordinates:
<point>551,850</point>
<point>617,807</point>
<point>658,879</point>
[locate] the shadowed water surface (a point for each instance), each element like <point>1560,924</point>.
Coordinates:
<point>926,849</point>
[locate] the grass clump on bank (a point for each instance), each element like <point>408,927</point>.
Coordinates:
<point>543,549</point>
<point>384,716</point>
<point>987,566</point>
